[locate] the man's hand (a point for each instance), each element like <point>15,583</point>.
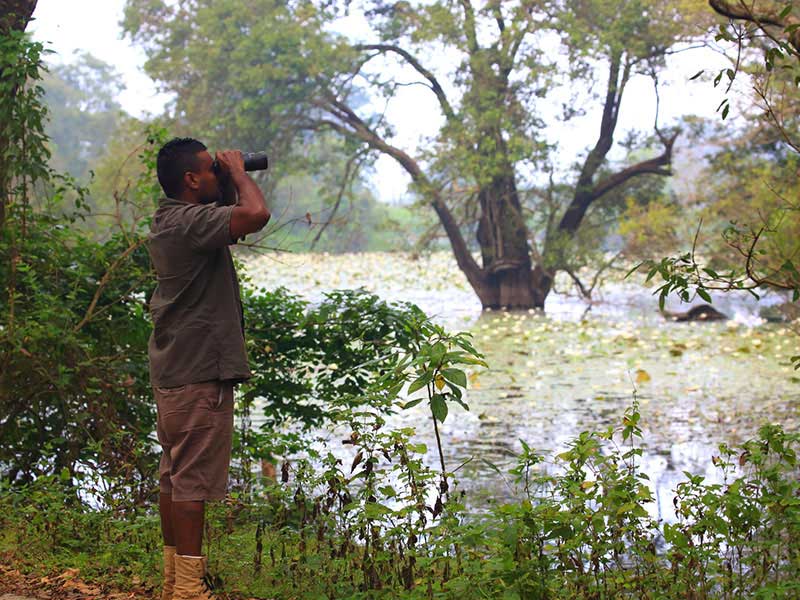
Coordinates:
<point>231,163</point>
<point>251,213</point>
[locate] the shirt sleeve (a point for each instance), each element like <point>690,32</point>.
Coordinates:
<point>208,226</point>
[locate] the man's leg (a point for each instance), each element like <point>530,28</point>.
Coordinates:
<point>187,524</point>
<point>200,424</point>
<point>165,511</point>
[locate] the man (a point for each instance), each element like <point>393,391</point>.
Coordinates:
<point>197,352</point>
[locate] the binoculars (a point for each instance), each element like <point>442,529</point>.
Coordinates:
<point>253,161</point>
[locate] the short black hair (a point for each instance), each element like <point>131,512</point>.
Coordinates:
<point>175,158</point>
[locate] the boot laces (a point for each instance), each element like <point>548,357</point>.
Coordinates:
<point>208,585</point>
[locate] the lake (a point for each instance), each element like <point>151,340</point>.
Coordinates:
<point>569,369</point>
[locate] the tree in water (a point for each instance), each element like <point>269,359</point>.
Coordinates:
<point>264,72</point>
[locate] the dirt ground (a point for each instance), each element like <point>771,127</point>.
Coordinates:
<point>15,585</point>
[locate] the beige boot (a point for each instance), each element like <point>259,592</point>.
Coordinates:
<point>190,584</point>
<point>169,572</point>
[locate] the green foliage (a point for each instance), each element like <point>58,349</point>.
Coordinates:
<point>275,73</point>
<point>310,362</point>
<point>378,525</point>
<point>23,151</point>
<point>281,54</point>
<point>74,363</point>
<point>84,113</point>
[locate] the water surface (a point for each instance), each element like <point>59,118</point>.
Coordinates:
<point>577,367</point>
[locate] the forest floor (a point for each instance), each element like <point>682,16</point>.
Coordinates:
<point>15,585</point>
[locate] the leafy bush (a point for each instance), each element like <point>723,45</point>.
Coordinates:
<point>385,526</point>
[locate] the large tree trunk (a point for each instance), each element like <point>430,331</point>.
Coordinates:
<point>503,238</point>
<point>15,15</point>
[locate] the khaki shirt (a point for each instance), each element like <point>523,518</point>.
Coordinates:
<point>198,324</point>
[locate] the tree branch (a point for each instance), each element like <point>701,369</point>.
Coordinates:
<point>584,193</point>
<point>498,16</point>
<point>741,11</point>
<point>349,173</point>
<point>447,109</point>
<point>469,26</point>
<point>354,127</point>
<point>608,123</point>
<point>653,166</point>
<point>90,312</point>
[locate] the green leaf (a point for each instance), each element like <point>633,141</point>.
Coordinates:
<point>492,466</point>
<point>635,267</point>
<point>421,382</point>
<point>375,510</point>
<point>439,407</point>
<point>412,403</point>
<point>437,353</point>
<point>704,295</point>
<point>455,376</point>
<point>470,360</point>
<point>696,75</point>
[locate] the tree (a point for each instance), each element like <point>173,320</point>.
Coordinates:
<point>758,174</point>
<point>14,18</point>
<point>773,18</point>
<point>15,15</point>
<point>84,112</point>
<point>274,71</point>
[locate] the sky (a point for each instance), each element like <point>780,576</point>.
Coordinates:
<point>93,26</point>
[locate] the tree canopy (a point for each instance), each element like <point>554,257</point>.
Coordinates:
<point>270,73</point>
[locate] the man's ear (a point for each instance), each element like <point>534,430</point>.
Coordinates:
<point>191,181</point>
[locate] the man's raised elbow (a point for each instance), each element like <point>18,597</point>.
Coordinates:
<point>263,218</point>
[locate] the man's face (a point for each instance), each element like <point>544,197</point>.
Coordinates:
<point>208,189</point>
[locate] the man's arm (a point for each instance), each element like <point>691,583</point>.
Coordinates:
<point>251,213</point>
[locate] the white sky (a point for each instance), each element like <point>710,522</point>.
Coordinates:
<point>93,26</point>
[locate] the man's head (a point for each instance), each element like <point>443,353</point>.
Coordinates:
<point>185,171</point>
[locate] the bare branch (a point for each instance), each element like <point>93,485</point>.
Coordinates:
<point>353,126</point>
<point>447,109</point>
<point>349,173</point>
<point>498,16</point>
<point>660,165</point>
<point>90,312</point>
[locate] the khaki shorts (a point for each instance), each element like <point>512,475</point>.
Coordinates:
<point>195,429</point>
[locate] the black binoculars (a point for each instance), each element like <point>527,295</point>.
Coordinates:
<point>253,161</point>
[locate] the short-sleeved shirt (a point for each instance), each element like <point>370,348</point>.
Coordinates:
<point>198,322</point>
